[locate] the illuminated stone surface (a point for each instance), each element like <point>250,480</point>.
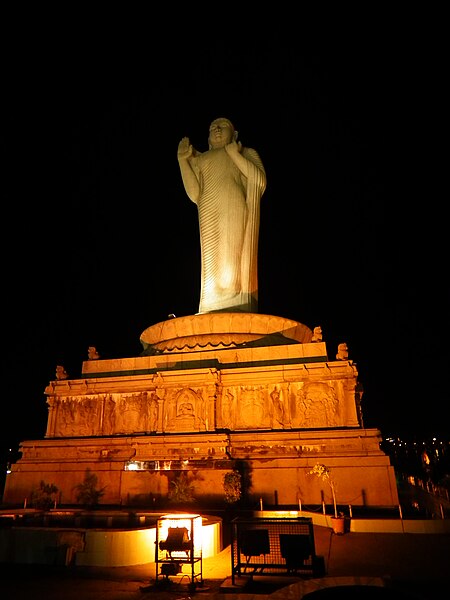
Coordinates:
<point>226,183</point>
<point>193,402</point>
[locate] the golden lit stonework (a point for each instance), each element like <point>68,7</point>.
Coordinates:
<point>207,391</point>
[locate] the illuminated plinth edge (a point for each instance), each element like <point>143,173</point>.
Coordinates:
<point>209,392</point>
<point>222,330</point>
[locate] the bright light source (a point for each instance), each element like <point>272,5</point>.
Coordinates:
<point>133,465</point>
<point>192,524</point>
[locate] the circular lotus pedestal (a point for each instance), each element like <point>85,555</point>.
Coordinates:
<point>216,331</point>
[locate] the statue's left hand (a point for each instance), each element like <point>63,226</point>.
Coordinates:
<point>233,148</point>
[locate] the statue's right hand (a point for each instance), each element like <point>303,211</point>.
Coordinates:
<point>184,148</point>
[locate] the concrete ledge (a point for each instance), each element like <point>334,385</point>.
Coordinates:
<point>91,547</point>
<point>438,526</point>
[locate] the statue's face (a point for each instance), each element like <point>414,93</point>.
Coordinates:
<point>221,132</point>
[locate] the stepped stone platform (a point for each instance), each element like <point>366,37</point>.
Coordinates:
<point>208,394</point>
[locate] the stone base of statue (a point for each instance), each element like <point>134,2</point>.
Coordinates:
<point>210,393</point>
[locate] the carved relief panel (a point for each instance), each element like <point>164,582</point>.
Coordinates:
<point>314,404</point>
<point>186,409</point>
<point>310,403</point>
<point>245,407</point>
<point>77,416</point>
<point>280,414</point>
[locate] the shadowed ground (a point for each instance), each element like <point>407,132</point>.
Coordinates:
<point>415,566</point>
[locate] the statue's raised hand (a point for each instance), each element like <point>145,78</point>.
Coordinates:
<point>233,148</point>
<point>185,149</point>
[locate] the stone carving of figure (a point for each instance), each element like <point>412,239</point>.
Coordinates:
<point>61,372</point>
<point>92,353</point>
<point>228,409</point>
<point>278,407</point>
<point>317,334</point>
<point>110,415</point>
<point>342,353</point>
<point>226,183</point>
<point>86,416</point>
<point>186,408</point>
<point>66,418</point>
<point>154,412</point>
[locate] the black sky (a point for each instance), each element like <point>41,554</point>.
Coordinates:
<point>100,240</point>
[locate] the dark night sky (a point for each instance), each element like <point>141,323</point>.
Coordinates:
<point>100,240</point>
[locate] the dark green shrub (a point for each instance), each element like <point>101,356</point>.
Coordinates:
<point>232,485</point>
<point>181,490</point>
<point>87,492</point>
<point>44,496</point>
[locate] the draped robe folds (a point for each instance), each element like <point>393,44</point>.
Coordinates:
<point>229,216</point>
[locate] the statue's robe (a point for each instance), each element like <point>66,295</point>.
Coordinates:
<point>229,217</point>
